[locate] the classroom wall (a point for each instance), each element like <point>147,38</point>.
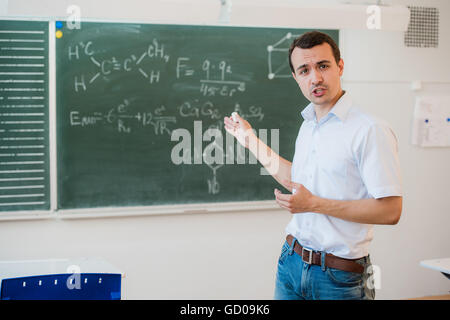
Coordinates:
<point>234,255</point>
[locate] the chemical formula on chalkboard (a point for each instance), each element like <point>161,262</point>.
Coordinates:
<point>105,67</point>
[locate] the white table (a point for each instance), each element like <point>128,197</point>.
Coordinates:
<point>25,268</point>
<point>442,265</point>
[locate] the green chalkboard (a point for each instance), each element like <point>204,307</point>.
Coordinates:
<point>124,90</point>
<point>24,125</point>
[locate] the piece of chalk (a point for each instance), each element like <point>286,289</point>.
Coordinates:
<point>234,116</point>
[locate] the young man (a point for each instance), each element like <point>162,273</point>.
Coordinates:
<point>344,178</point>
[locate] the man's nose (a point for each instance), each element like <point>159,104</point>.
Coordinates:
<point>316,77</point>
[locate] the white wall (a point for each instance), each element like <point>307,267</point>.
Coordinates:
<point>233,255</point>
<point>379,71</point>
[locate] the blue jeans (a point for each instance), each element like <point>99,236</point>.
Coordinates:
<point>297,280</point>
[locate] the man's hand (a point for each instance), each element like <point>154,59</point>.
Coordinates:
<point>385,210</point>
<point>241,130</point>
<point>302,200</point>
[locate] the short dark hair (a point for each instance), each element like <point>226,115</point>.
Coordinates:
<point>312,39</point>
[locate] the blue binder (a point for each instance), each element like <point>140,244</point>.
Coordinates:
<point>91,286</point>
<point>54,279</point>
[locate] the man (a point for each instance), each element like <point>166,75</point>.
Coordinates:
<point>344,178</point>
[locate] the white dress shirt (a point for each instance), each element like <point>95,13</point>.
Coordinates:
<point>347,155</point>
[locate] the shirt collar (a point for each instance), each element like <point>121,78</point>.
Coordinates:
<point>309,113</point>
<point>340,109</point>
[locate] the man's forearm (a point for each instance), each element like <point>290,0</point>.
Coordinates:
<point>369,211</point>
<point>277,166</point>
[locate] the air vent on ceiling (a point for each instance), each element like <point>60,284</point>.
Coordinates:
<point>423,28</point>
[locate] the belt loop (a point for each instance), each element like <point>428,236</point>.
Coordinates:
<point>323,255</point>
<point>291,247</point>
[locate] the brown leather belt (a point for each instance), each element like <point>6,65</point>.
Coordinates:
<point>331,261</point>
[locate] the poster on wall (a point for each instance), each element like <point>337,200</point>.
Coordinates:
<point>431,122</point>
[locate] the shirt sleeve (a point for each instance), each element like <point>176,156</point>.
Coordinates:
<point>379,162</point>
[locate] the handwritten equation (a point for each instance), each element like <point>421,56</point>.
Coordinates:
<point>124,118</point>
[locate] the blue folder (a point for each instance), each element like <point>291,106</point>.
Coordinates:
<point>89,286</point>
<point>60,279</point>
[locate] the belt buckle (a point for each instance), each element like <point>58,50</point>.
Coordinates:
<point>310,255</point>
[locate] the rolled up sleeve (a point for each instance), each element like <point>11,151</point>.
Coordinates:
<point>379,162</point>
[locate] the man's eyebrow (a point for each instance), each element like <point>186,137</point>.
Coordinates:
<point>302,66</point>
<point>317,63</point>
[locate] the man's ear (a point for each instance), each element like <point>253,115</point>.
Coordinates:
<point>341,67</point>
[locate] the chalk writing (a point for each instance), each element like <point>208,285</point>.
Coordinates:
<point>155,52</point>
<point>121,117</point>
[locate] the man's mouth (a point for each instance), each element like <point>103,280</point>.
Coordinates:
<point>318,92</point>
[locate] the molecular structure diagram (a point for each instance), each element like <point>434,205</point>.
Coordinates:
<point>278,68</point>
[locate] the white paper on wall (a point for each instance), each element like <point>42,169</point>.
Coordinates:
<point>431,123</point>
